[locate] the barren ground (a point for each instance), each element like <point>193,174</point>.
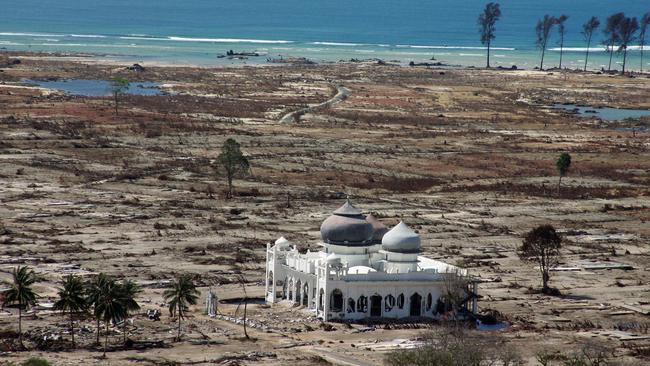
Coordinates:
<point>465,156</point>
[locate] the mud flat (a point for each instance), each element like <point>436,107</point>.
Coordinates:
<point>465,156</point>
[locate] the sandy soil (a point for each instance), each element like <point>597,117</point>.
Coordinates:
<point>465,156</point>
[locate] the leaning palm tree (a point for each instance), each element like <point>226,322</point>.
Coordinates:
<point>627,29</point>
<point>71,300</point>
<point>543,31</point>
<point>110,307</point>
<point>182,294</point>
<point>562,31</point>
<point>588,31</point>
<point>612,35</point>
<point>128,291</point>
<point>21,294</point>
<point>94,291</point>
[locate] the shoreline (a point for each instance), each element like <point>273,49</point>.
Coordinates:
<point>127,61</point>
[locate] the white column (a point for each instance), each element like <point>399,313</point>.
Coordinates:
<point>266,282</point>
<point>308,295</point>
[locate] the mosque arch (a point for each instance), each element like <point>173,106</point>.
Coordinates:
<point>305,294</point>
<point>416,305</point>
<point>351,305</point>
<point>321,299</point>
<point>375,305</point>
<point>298,292</point>
<point>290,287</point>
<point>362,304</point>
<point>270,281</point>
<point>429,301</point>
<point>336,301</point>
<point>389,303</point>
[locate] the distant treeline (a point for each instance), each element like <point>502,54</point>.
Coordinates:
<point>619,32</point>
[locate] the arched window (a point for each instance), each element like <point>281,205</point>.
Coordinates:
<point>270,281</point>
<point>351,305</point>
<point>305,295</point>
<point>400,301</point>
<point>298,288</point>
<point>336,301</point>
<point>362,304</point>
<point>389,303</point>
<point>290,292</point>
<point>321,299</point>
<point>429,302</point>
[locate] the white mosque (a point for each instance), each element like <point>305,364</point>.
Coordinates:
<point>363,271</point>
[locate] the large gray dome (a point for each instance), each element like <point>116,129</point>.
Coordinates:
<point>347,226</point>
<point>401,239</point>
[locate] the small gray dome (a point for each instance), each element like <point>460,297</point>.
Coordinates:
<point>379,229</point>
<point>401,239</point>
<point>347,226</point>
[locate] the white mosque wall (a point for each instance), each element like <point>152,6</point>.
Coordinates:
<point>387,299</point>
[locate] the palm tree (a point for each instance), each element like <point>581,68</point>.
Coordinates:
<point>643,27</point>
<point>128,291</point>
<point>588,31</point>
<point>71,300</point>
<point>22,294</point>
<point>94,291</point>
<point>562,30</point>
<point>627,29</point>
<point>182,294</point>
<point>109,307</point>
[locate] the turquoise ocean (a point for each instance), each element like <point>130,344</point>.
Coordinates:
<point>196,31</point>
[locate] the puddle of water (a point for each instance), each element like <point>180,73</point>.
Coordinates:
<point>95,88</point>
<point>604,113</point>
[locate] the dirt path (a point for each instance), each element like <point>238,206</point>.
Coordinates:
<point>341,94</point>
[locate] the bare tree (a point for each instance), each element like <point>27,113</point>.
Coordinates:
<point>543,30</point>
<point>242,282</point>
<point>486,23</point>
<point>588,31</point>
<point>562,31</point>
<point>562,164</point>
<point>542,245</point>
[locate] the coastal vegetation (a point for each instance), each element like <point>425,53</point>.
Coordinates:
<point>21,293</point>
<point>562,32</point>
<point>179,297</point>
<point>588,30</point>
<point>543,31</point>
<point>71,300</point>
<point>627,29</point>
<point>643,28</point>
<point>486,22</point>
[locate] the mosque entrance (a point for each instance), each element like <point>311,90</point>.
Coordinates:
<point>416,305</point>
<point>375,305</point>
